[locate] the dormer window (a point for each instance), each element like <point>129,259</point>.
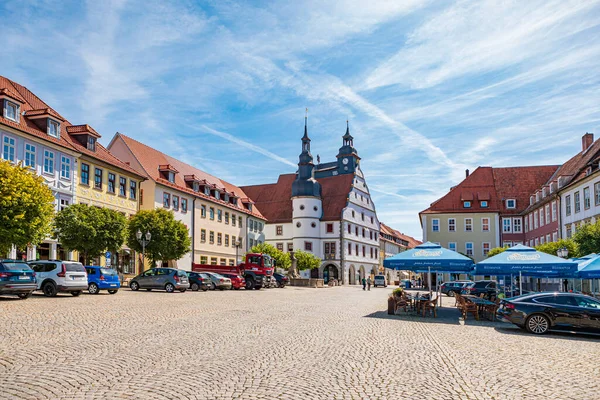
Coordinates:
<point>196,187</point>
<point>91,143</point>
<point>226,198</point>
<point>207,190</point>
<point>511,203</point>
<point>484,204</point>
<point>11,110</point>
<point>467,204</point>
<point>171,177</point>
<point>53,128</point>
<point>167,171</point>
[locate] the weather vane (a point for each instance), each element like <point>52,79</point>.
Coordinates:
<point>318,159</point>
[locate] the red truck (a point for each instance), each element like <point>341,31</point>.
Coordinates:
<point>257,270</point>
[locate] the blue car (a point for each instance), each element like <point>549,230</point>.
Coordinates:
<point>102,278</point>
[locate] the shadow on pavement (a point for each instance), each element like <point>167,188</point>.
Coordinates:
<point>568,335</point>
<point>445,315</point>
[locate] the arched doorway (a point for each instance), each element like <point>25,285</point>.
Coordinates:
<point>374,271</point>
<point>352,275</point>
<point>330,272</point>
<point>361,273</point>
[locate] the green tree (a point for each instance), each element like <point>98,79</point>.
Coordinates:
<point>26,207</point>
<point>587,238</point>
<point>496,251</point>
<point>552,247</point>
<point>170,238</point>
<point>306,260</point>
<point>282,260</point>
<point>90,230</point>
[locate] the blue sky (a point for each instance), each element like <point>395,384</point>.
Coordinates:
<point>430,87</point>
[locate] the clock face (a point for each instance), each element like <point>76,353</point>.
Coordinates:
<point>345,161</point>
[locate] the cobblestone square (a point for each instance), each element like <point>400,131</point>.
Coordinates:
<point>292,343</point>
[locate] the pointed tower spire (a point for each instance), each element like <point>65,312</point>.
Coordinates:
<point>305,183</point>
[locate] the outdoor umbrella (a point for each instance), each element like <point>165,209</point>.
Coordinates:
<point>590,269</point>
<point>526,261</point>
<point>430,257</point>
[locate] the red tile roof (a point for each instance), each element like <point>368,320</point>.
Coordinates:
<point>412,242</point>
<point>275,203</point>
<point>494,185</point>
<point>152,160</point>
<point>33,105</point>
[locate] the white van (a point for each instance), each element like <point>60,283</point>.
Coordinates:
<point>379,281</point>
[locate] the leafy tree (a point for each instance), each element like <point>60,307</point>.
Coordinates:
<point>587,238</point>
<point>26,207</point>
<point>552,247</point>
<point>496,251</point>
<point>170,238</point>
<point>282,260</point>
<point>90,230</point>
<point>306,260</point>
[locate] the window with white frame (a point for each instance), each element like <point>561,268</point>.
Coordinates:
<point>64,203</point>
<point>547,211</point>
<point>485,249</point>
<point>452,246</point>
<point>541,211</point>
<point>555,236</point>
<point>506,225</point>
<point>11,110</point>
<point>435,225</point>
<point>467,204</point>
<point>531,221</point>
<point>526,223</point>
<point>468,224</point>
<point>587,201</point>
<point>542,240</point>
<point>65,167</point>
<point>568,204</point>
<point>537,241</point>
<point>517,225</point>
<point>483,204</point>
<point>597,193</point>
<point>29,155</point>
<point>535,219</point>
<point>451,225</point>
<point>469,249</point>
<point>506,243</point>
<point>511,203</point>
<point>485,224</point>
<point>8,148</point>
<point>48,162</point>
<point>553,211</point>
<point>53,128</point>
<point>577,201</point>
<point>548,238</point>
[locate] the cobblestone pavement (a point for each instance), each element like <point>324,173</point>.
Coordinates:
<point>292,343</point>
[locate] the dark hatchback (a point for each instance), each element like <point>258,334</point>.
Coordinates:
<point>453,287</point>
<point>17,278</point>
<point>540,312</point>
<point>199,281</point>
<point>489,289</point>
<point>282,280</point>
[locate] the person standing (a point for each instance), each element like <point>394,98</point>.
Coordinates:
<point>364,283</point>
<point>419,282</point>
<point>369,283</point>
<point>566,285</point>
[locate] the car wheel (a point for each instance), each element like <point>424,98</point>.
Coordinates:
<point>24,296</point>
<point>537,324</point>
<point>134,286</point>
<point>169,287</point>
<point>149,290</point>
<point>93,288</point>
<point>195,287</point>
<point>76,293</point>
<point>451,293</point>
<point>112,291</point>
<point>221,288</point>
<point>49,289</point>
<point>237,288</point>
<point>250,284</point>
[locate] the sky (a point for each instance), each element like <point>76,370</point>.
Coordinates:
<point>430,88</point>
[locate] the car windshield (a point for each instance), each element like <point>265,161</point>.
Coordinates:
<point>74,267</point>
<point>481,284</point>
<point>108,271</point>
<point>16,266</point>
<point>268,261</point>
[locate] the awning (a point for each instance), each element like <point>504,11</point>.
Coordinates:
<point>589,268</point>
<point>526,261</point>
<point>430,257</point>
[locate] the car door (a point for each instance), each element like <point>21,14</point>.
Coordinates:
<point>40,273</point>
<point>571,314</point>
<point>145,279</point>
<point>162,275</point>
<point>590,310</point>
<point>91,274</point>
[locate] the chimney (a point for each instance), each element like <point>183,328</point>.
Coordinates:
<point>586,141</point>
<point>466,173</point>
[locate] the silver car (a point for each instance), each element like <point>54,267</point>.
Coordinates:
<point>169,279</point>
<point>218,281</point>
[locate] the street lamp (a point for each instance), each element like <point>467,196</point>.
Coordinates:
<point>563,252</point>
<point>143,240</point>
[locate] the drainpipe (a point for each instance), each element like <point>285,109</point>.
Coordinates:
<point>193,229</point>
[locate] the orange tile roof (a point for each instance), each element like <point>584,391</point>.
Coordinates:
<point>151,160</point>
<point>412,242</point>
<point>33,105</point>
<point>274,199</point>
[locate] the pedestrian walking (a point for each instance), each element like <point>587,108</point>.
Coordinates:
<point>369,283</point>
<point>419,282</point>
<point>566,285</point>
<point>364,283</point>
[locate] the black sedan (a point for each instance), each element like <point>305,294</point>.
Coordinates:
<point>281,279</point>
<point>199,281</point>
<point>540,312</point>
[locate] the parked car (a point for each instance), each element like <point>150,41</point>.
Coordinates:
<point>55,276</point>
<point>453,287</point>
<point>540,312</point>
<point>17,278</point>
<point>199,281</point>
<point>218,281</point>
<point>169,279</point>
<point>101,278</point>
<point>489,289</point>
<point>379,280</point>
<point>237,281</point>
<point>282,280</point>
